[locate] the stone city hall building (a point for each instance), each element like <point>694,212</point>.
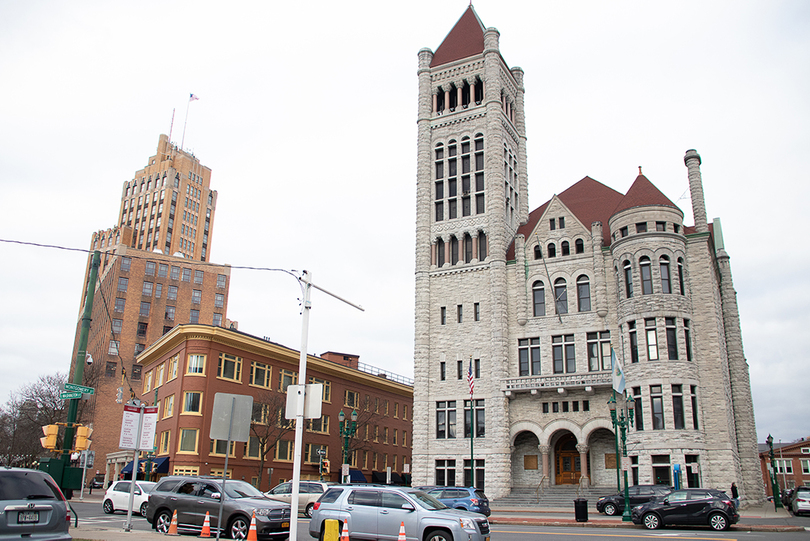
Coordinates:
<point>532,302</point>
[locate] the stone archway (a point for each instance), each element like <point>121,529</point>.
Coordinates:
<point>527,461</point>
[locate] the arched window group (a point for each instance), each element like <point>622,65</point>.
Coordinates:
<point>561,296</point>
<point>458,94</point>
<point>459,178</point>
<point>565,249</point>
<point>645,273</point>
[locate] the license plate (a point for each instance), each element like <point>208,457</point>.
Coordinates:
<point>27,517</point>
<point>285,524</point>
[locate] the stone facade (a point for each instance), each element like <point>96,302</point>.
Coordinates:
<point>533,304</point>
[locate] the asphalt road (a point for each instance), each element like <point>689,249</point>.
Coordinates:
<point>91,514</point>
<point>544,533</point>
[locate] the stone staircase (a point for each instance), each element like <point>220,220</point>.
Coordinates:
<point>556,497</point>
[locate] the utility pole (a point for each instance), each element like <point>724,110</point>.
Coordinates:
<point>67,477</point>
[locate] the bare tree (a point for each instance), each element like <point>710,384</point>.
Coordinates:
<point>268,426</point>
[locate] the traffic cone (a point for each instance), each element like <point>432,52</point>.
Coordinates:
<point>173,525</point>
<point>344,534</point>
<point>206,531</point>
<point>252,535</point>
<point>401,532</point>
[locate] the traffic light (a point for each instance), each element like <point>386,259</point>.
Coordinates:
<point>51,432</point>
<point>326,466</point>
<point>82,435</point>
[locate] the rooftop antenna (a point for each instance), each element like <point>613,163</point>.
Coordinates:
<point>171,126</point>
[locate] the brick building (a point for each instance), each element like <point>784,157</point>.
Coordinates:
<point>533,303</point>
<point>792,464</point>
<point>142,291</point>
<point>186,367</point>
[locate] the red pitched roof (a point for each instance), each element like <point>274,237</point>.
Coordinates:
<point>643,194</point>
<point>464,40</point>
<point>589,200</point>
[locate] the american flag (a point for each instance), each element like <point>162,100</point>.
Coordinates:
<point>192,97</point>
<point>470,379</point>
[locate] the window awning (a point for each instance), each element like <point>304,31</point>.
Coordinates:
<point>356,476</point>
<point>159,465</point>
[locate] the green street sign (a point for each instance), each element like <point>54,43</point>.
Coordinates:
<point>80,388</point>
<point>66,395</point>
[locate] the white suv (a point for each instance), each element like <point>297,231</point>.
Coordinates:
<point>376,512</point>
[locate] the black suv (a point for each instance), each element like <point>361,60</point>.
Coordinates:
<point>691,506</point>
<point>638,494</point>
<point>193,496</point>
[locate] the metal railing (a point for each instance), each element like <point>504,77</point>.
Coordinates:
<point>539,488</point>
<point>375,371</point>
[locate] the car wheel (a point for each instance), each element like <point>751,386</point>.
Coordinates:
<point>144,505</point>
<point>651,521</point>
<point>238,528</point>
<point>610,509</point>
<point>438,535</point>
<point>163,520</point>
<point>108,507</point>
<point>718,522</point>
<point>308,510</point>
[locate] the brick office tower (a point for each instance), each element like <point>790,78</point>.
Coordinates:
<point>142,292</point>
<point>532,302</point>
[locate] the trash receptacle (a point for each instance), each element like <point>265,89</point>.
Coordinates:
<point>581,509</point>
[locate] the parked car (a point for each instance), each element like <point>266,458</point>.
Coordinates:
<point>33,506</point>
<point>638,494</point>
<point>690,506</point>
<point>800,500</point>
<point>308,494</point>
<point>117,497</point>
<point>193,496</point>
<point>376,512</point>
<point>469,498</point>
<point>95,483</point>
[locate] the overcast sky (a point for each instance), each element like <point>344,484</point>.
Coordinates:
<point>307,118</point>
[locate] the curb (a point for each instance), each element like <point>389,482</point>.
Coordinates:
<point>611,524</point>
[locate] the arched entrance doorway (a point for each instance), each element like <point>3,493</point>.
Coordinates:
<point>568,466</point>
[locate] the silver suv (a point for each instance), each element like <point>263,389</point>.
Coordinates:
<point>376,512</point>
<point>32,506</point>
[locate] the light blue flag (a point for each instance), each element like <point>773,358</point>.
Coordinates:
<point>618,373</point>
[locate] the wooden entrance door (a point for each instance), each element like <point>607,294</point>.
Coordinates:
<point>568,466</point>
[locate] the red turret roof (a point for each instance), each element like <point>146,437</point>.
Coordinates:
<point>643,194</point>
<point>464,40</point>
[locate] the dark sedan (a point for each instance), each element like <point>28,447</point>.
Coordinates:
<point>638,494</point>
<point>694,506</point>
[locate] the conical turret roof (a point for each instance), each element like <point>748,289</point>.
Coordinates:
<point>643,194</point>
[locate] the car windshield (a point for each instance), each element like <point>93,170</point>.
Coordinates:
<point>241,489</point>
<point>426,500</point>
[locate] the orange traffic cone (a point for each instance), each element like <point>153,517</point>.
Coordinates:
<point>344,534</point>
<point>173,525</point>
<point>206,531</point>
<point>252,535</point>
<point>401,532</point>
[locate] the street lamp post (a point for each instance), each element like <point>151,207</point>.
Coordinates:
<point>347,430</point>
<point>622,420</point>
<point>777,500</point>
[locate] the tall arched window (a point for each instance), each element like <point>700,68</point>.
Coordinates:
<point>440,253</point>
<point>646,275</point>
<point>628,278</point>
<point>467,248</point>
<point>566,248</point>
<point>482,246</point>
<point>579,246</point>
<point>453,250</point>
<point>680,276</point>
<point>583,294</point>
<point>551,250</point>
<point>538,299</point>
<point>561,295</point>
<point>666,286</point>
<point>538,252</point>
